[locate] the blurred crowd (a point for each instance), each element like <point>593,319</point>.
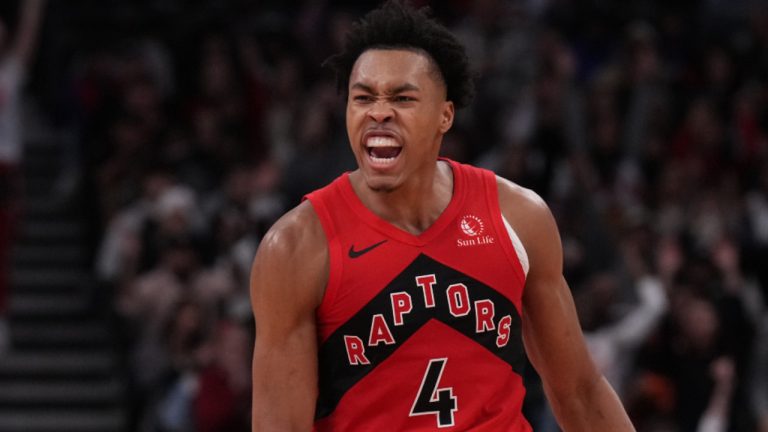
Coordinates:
<point>644,125</point>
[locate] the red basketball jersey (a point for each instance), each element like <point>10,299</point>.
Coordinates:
<point>420,332</point>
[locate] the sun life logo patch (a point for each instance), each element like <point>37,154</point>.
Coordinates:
<point>474,228</point>
<point>472,225</point>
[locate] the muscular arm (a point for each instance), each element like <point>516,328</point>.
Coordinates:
<point>287,283</point>
<point>580,396</point>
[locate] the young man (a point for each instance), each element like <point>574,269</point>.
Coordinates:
<point>400,297</point>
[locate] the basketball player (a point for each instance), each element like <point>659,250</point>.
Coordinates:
<point>401,296</point>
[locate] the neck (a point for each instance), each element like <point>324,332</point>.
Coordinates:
<point>414,206</point>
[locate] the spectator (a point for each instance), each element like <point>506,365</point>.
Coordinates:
<point>15,58</point>
<point>641,126</point>
<point>222,403</point>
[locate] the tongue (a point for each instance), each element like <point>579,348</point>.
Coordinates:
<point>385,152</point>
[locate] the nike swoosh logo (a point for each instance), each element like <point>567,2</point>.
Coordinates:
<point>357,253</point>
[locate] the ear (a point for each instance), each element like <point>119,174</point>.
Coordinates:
<point>446,120</point>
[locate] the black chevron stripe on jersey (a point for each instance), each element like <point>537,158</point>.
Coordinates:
<point>338,375</point>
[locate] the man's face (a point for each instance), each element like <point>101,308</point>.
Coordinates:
<point>396,115</point>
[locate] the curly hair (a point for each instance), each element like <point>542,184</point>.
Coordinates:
<point>397,25</point>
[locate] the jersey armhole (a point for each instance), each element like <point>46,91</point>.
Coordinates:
<point>516,254</point>
<point>334,252</point>
<point>517,244</point>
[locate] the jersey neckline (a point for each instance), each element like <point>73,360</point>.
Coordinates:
<point>399,234</point>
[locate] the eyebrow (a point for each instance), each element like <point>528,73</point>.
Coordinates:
<point>399,89</point>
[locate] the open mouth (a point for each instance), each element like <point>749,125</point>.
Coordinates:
<point>382,150</point>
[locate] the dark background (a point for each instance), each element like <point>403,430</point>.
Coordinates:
<point>176,132</point>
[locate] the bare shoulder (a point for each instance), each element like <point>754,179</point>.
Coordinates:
<point>297,231</point>
<point>533,222</point>
<point>513,195</point>
<point>293,255</point>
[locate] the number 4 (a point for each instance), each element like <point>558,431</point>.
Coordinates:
<point>433,400</point>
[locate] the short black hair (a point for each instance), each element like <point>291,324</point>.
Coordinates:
<point>395,25</point>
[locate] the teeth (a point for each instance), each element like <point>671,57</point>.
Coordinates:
<point>381,141</point>
<point>381,160</point>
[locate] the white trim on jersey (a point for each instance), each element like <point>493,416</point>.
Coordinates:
<point>522,255</point>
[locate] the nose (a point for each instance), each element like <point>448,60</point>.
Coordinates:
<point>381,112</point>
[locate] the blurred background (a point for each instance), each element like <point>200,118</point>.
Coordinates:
<point>145,148</point>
